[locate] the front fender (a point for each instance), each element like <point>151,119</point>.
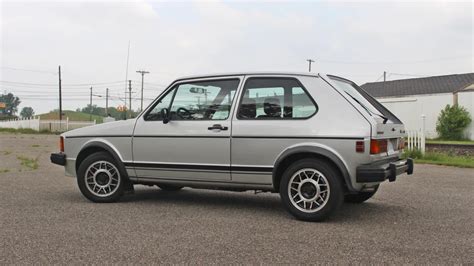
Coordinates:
<point>94,145</point>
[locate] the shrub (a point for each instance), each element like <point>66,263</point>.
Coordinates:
<point>414,154</point>
<point>452,121</point>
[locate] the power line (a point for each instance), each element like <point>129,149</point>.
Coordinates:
<point>408,75</point>
<point>52,84</point>
<point>29,70</point>
<point>380,77</point>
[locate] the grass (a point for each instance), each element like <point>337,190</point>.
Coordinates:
<point>2,171</point>
<point>7,152</point>
<point>35,146</point>
<point>28,162</point>
<point>440,141</point>
<point>73,116</point>
<point>440,158</point>
<point>446,159</point>
<point>24,131</point>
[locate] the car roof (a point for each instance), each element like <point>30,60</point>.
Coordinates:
<point>248,73</point>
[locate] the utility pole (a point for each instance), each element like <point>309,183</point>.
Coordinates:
<point>384,76</point>
<point>126,78</point>
<point>60,98</point>
<point>309,62</point>
<point>143,74</point>
<point>90,106</point>
<point>130,96</point>
<point>107,102</point>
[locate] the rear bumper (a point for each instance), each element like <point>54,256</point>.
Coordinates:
<point>58,158</point>
<point>378,172</point>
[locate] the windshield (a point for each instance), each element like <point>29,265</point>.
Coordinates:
<point>370,104</point>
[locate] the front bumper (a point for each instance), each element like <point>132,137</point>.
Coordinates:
<point>58,158</point>
<point>378,172</point>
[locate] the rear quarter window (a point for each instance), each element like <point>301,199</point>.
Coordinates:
<point>275,98</point>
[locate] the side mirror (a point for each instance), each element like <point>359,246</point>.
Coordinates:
<point>165,113</point>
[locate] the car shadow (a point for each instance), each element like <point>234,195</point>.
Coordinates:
<point>268,204</point>
<point>261,202</point>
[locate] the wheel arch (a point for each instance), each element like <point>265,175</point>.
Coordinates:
<point>287,157</point>
<point>97,146</point>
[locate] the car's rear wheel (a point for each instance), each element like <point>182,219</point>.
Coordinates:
<point>100,178</point>
<point>311,189</point>
<point>360,197</point>
<point>168,187</point>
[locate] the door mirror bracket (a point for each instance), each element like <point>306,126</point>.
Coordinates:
<point>165,114</point>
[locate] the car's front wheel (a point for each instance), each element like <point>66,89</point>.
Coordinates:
<point>311,189</point>
<point>100,178</point>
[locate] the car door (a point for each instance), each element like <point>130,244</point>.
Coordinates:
<point>195,143</point>
<point>271,115</point>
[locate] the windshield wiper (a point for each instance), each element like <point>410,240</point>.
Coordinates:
<point>385,119</point>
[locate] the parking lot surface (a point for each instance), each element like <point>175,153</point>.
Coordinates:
<point>424,218</point>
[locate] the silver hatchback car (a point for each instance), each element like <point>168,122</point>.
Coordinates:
<point>316,139</point>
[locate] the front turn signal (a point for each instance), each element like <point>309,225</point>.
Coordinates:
<point>61,144</point>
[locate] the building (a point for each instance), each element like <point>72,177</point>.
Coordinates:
<point>413,99</point>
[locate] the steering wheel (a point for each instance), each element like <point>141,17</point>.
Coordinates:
<point>184,113</point>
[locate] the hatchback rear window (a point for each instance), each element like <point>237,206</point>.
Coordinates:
<point>369,103</point>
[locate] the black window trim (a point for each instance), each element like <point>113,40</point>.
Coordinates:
<point>376,104</point>
<point>174,86</point>
<point>237,115</point>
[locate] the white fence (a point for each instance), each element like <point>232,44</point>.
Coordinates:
<point>416,140</point>
<point>49,125</point>
<point>33,123</point>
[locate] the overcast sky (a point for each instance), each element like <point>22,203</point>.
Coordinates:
<point>89,39</point>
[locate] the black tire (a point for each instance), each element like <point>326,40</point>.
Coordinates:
<point>168,187</point>
<point>115,193</point>
<point>334,198</point>
<point>360,197</point>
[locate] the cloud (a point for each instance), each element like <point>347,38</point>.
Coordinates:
<point>358,40</point>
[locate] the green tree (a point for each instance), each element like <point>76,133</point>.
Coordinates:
<point>27,112</point>
<point>11,102</point>
<point>95,110</point>
<point>452,121</point>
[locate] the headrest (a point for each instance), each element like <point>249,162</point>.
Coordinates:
<point>248,109</point>
<point>272,107</point>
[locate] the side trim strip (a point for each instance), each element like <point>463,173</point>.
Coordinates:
<point>295,137</point>
<point>212,137</point>
<point>200,167</point>
<point>101,136</point>
<point>187,136</point>
<point>205,181</point>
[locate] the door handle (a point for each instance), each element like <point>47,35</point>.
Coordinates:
<point>217,126</point>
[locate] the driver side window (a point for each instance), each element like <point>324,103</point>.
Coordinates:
<point>204,100</point>
<point>155,113</point>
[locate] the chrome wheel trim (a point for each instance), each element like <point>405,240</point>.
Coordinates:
<point>102,168</point>
<point>314,179</point>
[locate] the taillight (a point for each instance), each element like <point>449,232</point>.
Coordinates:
<point>61,144</point>
<point>378,146</point>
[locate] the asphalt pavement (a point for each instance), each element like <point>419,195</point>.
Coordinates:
<point>424,218</point>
